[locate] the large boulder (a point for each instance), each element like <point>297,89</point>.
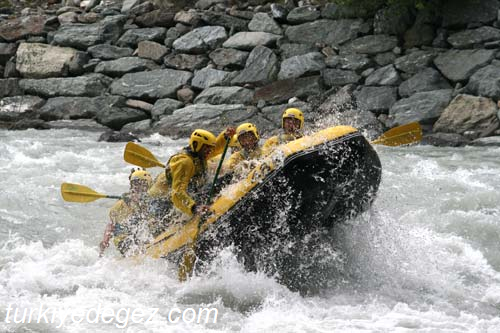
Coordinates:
<point>19,107</point>
<point>492,141</point>
<point>10,87</point>
<point>150,85</point>
<point>415,62</point>
<point>22,27</point>
<point>230,58</point>
<point>365,121</point>
<point>109,52</point>
<point>485,82</point>
<point>468,113</point>
<point>261,67</point>
<point>77,124</point>
<point>427,80</point>
<point>165,106</point>
<point>82,36</point>
<point>459,65</point>
<point>470,38</point>
<point>282,90</point>
<point>125,65</point>
<point>385,76</point>
<point>249,40</point>
<point>116,118</point>
<point>225,95</point>
<point>213,117</point>
<point>372,44</point>
<point>299,65</point>
<point>200,40</point>
<point>38,61</point>
<point>89,85</point>
<point>462,12</point>
<point>324,31</point>
<point>424,107</point>
<point>209,77</point>
<point>78,107</point>
<point>265,23</point>
<point>376,99</point>
<point>132,37</point>
<point>339,77</point>
<point>445,139</point>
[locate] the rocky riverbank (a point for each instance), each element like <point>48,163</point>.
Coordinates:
<point>141,67</point>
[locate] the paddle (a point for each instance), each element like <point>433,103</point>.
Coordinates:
<point>186,267</point>
<point>79,193</point>
<point>140,156</point>
<point>401,135</point>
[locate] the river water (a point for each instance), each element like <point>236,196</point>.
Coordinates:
<point>425,258</point>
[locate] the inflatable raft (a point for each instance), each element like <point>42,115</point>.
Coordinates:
<point>292,197</point>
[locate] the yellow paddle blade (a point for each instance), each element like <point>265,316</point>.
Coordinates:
<point>187,265</point>
<point>140,156</point>
<point>79,193</point>
<point>401,135</point>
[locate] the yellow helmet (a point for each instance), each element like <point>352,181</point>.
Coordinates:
<point>247,127</point>
<point>141,174</point>
<point>199,138</point>
<point>234,142</point>
<point>293,113</point>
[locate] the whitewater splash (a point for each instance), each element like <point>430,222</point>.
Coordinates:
<point>425,257</point>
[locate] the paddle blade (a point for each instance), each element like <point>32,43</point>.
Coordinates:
<point>140,156</point>
<point>401,135</point>
<point>79,193</point>
<point>187,264</point>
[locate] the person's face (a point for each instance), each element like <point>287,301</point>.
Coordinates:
<point>205,151</point>
<point>248,141</point>
<point>291,125</point>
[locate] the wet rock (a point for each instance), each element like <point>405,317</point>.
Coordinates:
<point>125,65</point>
<point>225,95</point>
<point>469,113</point>
<point>186,61</point>
<point>282,90</point>
<point>458,65</point>
<point>261,67</point>
<point>114,136</point>
<point>77,124</point>
<point>339,101</point>
<point>22,27</point>
<point>424,107</point>
<point>138,127</point>
<point>89,85</point>
<point>485,82</point>
<point>376,99</point>
<point>109,52</point>
<point>265,23</point>
<point>78,107</point>
<point>34,60</point>
<point>385,76</point>
<point>339,77</point>
<point>209,77</point>
<point>427,80</point>
<point>230,58</point>
<point>200,40</point>
<point>116,118</point>
<point>151,50</point>
<point>27,123</point>
<point>165,106</point>
<point>18,107</point>
<point>470,38</point>
<point>150,85</point>
<point>299,65</point>
<point>364,121</point>
<point>372,44</point>
<point>492,141</point>
<point>303,14</point>
<point>445,140</point>
<point>249,40</point>
<point>324,31</point>
<point>132,37</point>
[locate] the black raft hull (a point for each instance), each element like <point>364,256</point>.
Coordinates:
<point>305,189</point>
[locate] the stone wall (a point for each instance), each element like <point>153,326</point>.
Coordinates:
<point>133,67</point>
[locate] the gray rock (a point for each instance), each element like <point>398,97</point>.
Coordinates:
<point>324,31</point>
<point>132,37</point>
<point>109,52</point>
<point>7,51</point>
<point>24,124</point>
<point>261,67</point>
<point>365,121</point>
<point>485,82</point>
<point>336,11</point>
<point>225,95</point>
<point>150,85</point>
<point>156,18</point>
<point>283,90</point>
<point>89,85</point>
<point>249,40</point>
<point>460,65</point>
<point>279,12</point>
<point>339,77</point>
<point>116,118</point>
<point>188,18</point>
<point>230,58</point>
<point>469,113</point>
<point>415,62</point>
<point>470,38</point>
<point>186,61</point>
<point>424,107</point>
<point>78,107</point>
<point>125,65</point>
<point>393,20</point>
<point>18,107</point>
<point>142,9</point>
<point>461,13</point>
<point>372,44</point>
<point>383,59</point>
<point>81,36</point>
<point>265,23</point>
<point>419,35</point>
<point>206,4</point>
<point>289,50</point>
<point>151,50</point>
<point>227,21</point>
<point>128,4</point>
<point>22,27</point>
<point>303,14</point>
<point>341,100</point>
<point>445,140</point>
<point>215,118</point>
<point>492,141</point>
<point>115,136</point>
<point>209,77</point>
<point>354,62</point>
<point>200,40</point>
<point>10,69</point>
<point>9,87</point>
<point>299,65</point>
<point>376,99</point>
<point>138,127</point>
<point>165,106</point>
<point>77,124</point>
<point>385,76</point>
<point>427,80</point>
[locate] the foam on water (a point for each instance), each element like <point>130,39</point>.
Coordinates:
<point>425,257</point>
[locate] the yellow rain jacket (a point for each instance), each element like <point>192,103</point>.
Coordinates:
<point>186,169</point>
<point>118,214</point>
<point>277,140</point>
<point>160,186</point>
